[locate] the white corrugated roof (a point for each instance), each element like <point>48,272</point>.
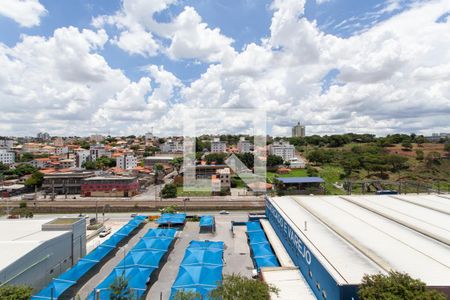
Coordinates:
<point>354,235</point>
<point>290,283</point>
<point>18,237</point>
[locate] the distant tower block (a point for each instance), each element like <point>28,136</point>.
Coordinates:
<point>298,130</point>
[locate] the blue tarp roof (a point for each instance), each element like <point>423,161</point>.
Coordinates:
<point>256,237</point>
<point>261,249</point>
<point>139,263</point>
<point>206,244</point>
<point>161,232</point>
<point>201,278</point>
<point>150,258</point>
<point>207,221</point>
<point>166,219</point>
<point>300,179</point>
<point>266,261</point>
<point>57,286</point>
<point>137,281</point>
<point>253,226</point>
<point>197,256</point>
<point>153,244</point>
<point>70,277</point>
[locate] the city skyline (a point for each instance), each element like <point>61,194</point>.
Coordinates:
<point>124,67</point>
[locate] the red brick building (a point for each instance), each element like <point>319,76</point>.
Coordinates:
<point>110,186</point>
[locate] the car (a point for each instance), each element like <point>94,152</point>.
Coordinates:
<point>224,212</point>
<point>133,215</point>
<point>105,232</point>
<point>83,216</point>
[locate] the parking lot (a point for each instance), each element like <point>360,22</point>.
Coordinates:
<point>236,255</point>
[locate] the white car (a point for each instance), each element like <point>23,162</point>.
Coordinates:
<point>105,232</point>
<point>224,212</point>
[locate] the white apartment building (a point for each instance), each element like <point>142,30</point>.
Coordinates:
<point>96,138</point>
<point>171,146</point>
<point>244,146</point>
<point>8,144</point>
<point>81,157</point>
<point>126,162</point>
<point>61,150</point>
<point>283,149</point>
<point>7,157</point>
<point>224,176</point>
<point>218,146</point>
<point>67,163</point>
<point>97,151</point>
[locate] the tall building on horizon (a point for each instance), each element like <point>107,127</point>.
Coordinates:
<point>298,130</point>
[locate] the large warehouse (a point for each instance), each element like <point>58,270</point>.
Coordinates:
<point>335,240</point>
<point>32,252</point>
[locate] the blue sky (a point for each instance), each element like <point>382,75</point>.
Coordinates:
<point>377,66</point>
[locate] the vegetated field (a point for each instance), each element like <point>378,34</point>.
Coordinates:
<point>426,148</point>
<point>331,174</point>
<point>182,193</point>
<point>293,173</point>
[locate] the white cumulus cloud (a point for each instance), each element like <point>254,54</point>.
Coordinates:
<point>27,13</point>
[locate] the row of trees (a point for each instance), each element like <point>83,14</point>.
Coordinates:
<point>100,163</point>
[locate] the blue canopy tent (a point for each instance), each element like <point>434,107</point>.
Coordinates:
<point>69,278</point>
<point>55,289</point>
<point>194,256</point>
<point>197,276</point>
<point>256,237</point>
<point>150,258</point>
<point>266,261</point>
<point>253,226</point>
<point>153,244</point>
<point>207,223</point>
<point>137,281</point>
<point>171,219</point>
<point>261,249</point>
<point>77,271</point>
<point>161,233</point>
<point>206,245</point>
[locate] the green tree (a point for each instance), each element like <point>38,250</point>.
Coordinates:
<point>447,148</point>
<point>15,292</point>
<point>407,146</point>
<point>395,286</point>
<point>248,159</point>
<point>274,160</point>
<point>186,295</point>
<point>171,209</point>
<point>238,287</point>
<point>433,158</point>
<point>397,162</point>
<point>36,179</point>
<point>420,155</point>
<point>120,290</point>
<point>89,165</point>
<point>26,157</point>
<point>3,167</point>
<point>169,191</point>
<point>218,158</point>
<point>24,169</point>
<point>177,162</point>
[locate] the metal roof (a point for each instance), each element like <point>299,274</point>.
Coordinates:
<point>290,283</point>
<point>300,179</point>
<point>357,235</point>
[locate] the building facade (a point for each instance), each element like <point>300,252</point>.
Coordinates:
<point>7,157</point>
<point>217,146</point>
<point>97,151</point>
<point>111,186</point>
<point>81,156</point>
<point>126,161</point>
<point>6,143</point>
<point>298,130</point>
<point>171,146</point>
<point>244,146</point>
<point>65,182</point>
<point>283,149</point>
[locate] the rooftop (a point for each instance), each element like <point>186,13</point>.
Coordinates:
<point>18,237</point>
<point>407,233</point>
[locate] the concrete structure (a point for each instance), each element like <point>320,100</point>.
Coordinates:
<point>225,180</point>
<point>40,163</point>
<point>218,146</point>
<point>67,163</point>
<point>336,240</point>
<point>244,146</point>
<point>61,150</point>
<point>7,144</point>
<point>81,156</point>
<point>7,157</point>
<point>65,182</point>
<point>283,149</point>
<point>97,151</point>
<point>32,252</point>
<point>298,130</point>
<point>111,186</point>
<point>172,146</point>
<point>126,161</point>
<point>150,161</point>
